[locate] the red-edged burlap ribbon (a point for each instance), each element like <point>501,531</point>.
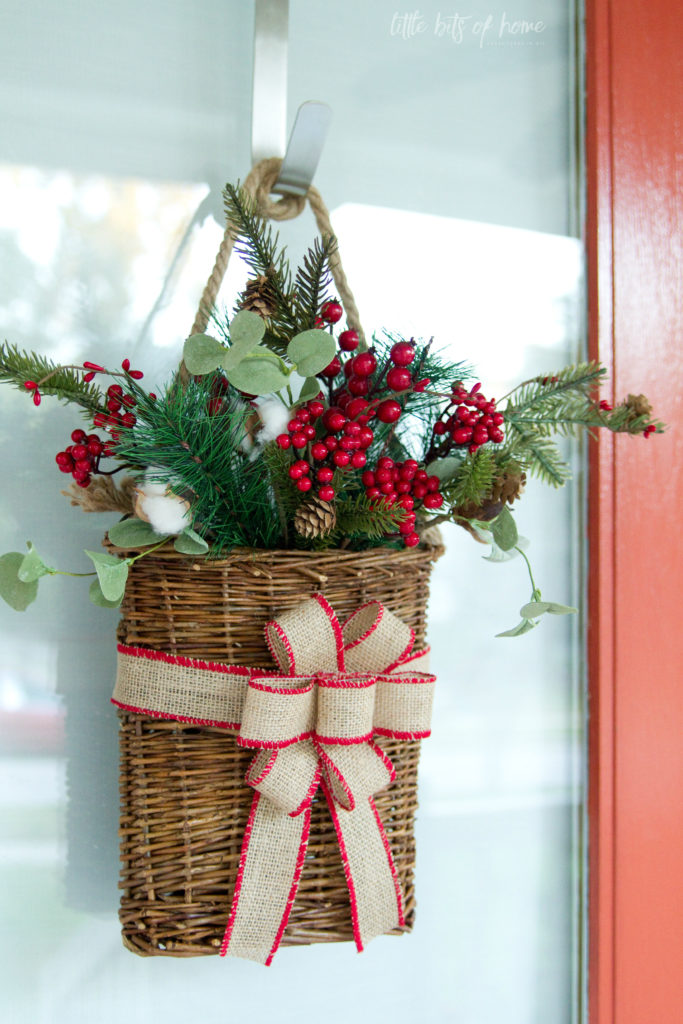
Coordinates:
<point>313,725</point>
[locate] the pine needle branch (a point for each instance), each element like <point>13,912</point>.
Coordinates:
<point>66,383</point>
<point>360,515</point>
<point>313,280</point>
<point>258,244</point>
<point>473,480</point>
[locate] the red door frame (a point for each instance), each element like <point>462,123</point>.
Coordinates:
<point>635,270</point>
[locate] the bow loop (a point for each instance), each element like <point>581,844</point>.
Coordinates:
<point>375,640</point>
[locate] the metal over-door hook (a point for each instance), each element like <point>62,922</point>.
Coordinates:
<point>269,105</point>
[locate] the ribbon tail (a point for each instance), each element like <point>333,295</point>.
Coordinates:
<point>374,889</point>
<point>271,861</point>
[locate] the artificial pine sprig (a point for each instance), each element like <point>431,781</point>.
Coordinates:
<point>312,282</point>
<point>178,442</point>
<point>258,245</point>
<point>29,371</point>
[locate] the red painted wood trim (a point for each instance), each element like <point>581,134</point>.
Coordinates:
<point>634,118</point>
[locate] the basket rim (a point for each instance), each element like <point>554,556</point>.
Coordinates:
<point>245,554</point>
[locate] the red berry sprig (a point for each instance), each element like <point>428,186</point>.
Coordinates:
<point>404,484</point>
<point>327,440</point>
<point>82,458</point>
<point>469,420</point>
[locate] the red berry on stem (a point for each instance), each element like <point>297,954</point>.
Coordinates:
<point>432,500</point>
<point>364,364</point>
<point>136,374</point>
<point>341,458</point>
<point>30,385</point>
<point>295,471</point>
<point>304,484</point>
<point>399,379</point>
<point>36,397</point>
<point>366,437</point>
<point>125,365</point>
<point>402,353</point>
<point>358,460</point>
<point>388,411</point>
<point>325,474</point>
<point>412,540</point>
<point>355,407</point>
<point>319,450</point>
<point>326,493</point>
<point>316,409</point>
<point>283,441</point>
<point>332,312</point>
<point>348,341</point>
<point>78,436</point>
<point>94,366</point>
<point>358,386</point>
<point>299,440</point>
<point>334,419</point>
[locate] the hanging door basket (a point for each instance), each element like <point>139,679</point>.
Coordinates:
<point>184,801</point>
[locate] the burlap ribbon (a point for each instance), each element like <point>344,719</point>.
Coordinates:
<point>313,725</point>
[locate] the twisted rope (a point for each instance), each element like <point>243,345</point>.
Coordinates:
<point>259,184</point>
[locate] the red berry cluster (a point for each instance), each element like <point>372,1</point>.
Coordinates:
<point>82,458</point>
<point>469,419</point>
<point>119,405</point>
<point>404,484</point>
<point>340,446</point>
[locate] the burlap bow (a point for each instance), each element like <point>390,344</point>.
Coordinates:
<point>312,725</point>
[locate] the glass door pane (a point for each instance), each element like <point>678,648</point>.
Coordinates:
<point>452,177</point>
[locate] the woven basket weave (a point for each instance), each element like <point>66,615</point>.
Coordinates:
<point>184,802</point>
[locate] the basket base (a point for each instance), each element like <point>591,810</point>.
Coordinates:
<point>184,810</point>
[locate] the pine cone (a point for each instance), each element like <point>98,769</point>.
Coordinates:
<point>315,518</point>
<point>639,405</point>
<point>259,297</point>
<point>507,487</point>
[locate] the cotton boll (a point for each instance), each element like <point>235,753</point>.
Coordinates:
<point>274,418</point>
<point>166,513</point>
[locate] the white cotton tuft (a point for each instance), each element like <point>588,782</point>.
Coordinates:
<point>166,513</point>
<point>274,418</point>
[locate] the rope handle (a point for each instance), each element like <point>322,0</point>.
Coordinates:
<point>258,184</point>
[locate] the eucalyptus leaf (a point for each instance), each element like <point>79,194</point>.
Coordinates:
<point>560,609</point>
<point>522,627</point>
<point>97,597</point>
<point>311,351</point>
<point>112,573</point>
<point>445,468</point>
<point>259,373</point>
<point>17,594</point>
<point>246,331</point>
<point>33,566</point>
<point>310,389</point>
<point>190,543</point>
<point>504,529</point>
<point>202,354</point>
<point>134,533</point>
<point>533,609</point>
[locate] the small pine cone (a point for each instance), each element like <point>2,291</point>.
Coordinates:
<point>639,405</point>
<point>506,487</point>
<point>258,297</point>
<point>315,518</point>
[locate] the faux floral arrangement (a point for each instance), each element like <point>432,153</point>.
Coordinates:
<point>278,432</point>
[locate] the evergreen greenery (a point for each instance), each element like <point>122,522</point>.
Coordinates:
<point>199,456</point>
<point>65,383</point>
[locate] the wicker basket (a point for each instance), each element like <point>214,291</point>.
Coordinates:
<point>184,802</point>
